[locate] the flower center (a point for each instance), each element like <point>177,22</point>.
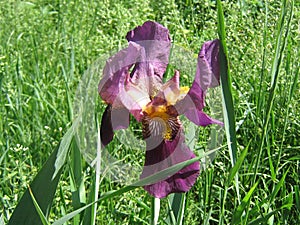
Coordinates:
<point>160,119</point>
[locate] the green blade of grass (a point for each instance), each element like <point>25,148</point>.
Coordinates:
<point>46,179</point>
<point>25,212</point>
<point>38,209</point>
<point>286,117</point>
<point>264,220</point>
<point>297,197</point>
<point>278,187</point>
<point>237,166</point>
<point>280,46</point>
<point>227,100</point>
<point>77,179</point>
<point>176,208</point>
<point>91,213</point>
<point>1,220</point>
<point>237,215</point>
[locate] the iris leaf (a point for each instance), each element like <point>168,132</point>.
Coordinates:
<point>25,212</point>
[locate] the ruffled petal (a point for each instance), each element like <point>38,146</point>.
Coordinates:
<point>116,87</point>
<point>163,155</point>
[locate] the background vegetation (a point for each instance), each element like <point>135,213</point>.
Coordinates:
<point>45,48</point>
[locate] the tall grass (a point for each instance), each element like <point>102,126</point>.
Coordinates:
<point>46,47</point>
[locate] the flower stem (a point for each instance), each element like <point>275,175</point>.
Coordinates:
<point>155,207</point>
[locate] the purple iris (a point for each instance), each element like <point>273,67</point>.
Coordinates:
<point>132,84</point>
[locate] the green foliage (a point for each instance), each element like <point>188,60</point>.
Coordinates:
<point>45,48</point>
<point>36,204</point>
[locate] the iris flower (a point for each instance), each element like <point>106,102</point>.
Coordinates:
<point>132,83</point>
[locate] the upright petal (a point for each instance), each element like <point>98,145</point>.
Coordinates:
<point>171,90</point>
<point>162,156</point>
<point>150,30</point>
<point>114,87</point>
<point>155,40</point>
<point>116,72</point>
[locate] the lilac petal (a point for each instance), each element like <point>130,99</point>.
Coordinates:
<point>114,87</point>
<point>144,78</point>
<point>164,155</point>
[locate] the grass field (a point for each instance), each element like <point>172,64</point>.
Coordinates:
<point>45,49</point>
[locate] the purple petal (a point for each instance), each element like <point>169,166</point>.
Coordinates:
<point>207,76</point>
<point>150,30</point>
<point>164,155</point>
<point>208,68</point>
<point>200,118</point>
<point>113,119</point>
<point>119,118</point>
<point>155,40</point>
<point>106,130</point>
<point>116,72</point>
<point>113,87</point>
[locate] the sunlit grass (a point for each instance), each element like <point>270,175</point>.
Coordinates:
<point>45,48</point>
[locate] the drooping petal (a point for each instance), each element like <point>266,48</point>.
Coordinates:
<point>200,118</point>
<point>106,130</point>
<point>119,118</point>
<point>162,156</point>
<point>112,119</point>
<point>207,76</point>
<point>155,40</point>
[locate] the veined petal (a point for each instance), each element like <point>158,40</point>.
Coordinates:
<point>164,155</point>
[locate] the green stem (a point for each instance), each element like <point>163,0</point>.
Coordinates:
<point>155,207</point>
